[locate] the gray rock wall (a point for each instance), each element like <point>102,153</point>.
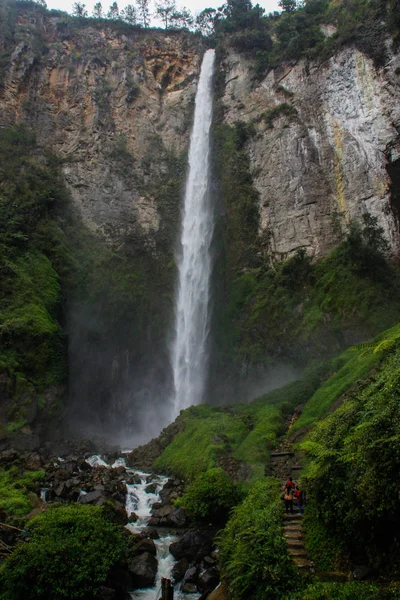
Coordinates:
<point>326,165</point>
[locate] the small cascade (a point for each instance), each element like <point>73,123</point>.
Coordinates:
<point>140,502</point>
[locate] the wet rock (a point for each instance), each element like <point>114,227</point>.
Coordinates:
<point>191,575</point>
<point>209,561</point>
<point>178,518</point>
<point>105,593</point>
<point>133,518</point>
<point>189,588</point>
<point>143,569</point>
<point>154,521</point>
<point>193,545</point>
<point>92,498</point>
<point>151,488</point>
<point>179,569</point>
<point>209,580</point>
<point>150,532</point>
<point>146,545</point>
<point>164,511</point>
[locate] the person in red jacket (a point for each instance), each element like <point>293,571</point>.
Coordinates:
<point>298,496</point>
<point>289,485</point>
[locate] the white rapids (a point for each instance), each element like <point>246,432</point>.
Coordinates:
<point>189,351</point>
<point>138,501</point>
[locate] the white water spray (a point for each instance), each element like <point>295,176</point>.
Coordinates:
<point>189,353</point>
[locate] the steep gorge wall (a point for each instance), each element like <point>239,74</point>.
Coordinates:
<point>326,136</point>
<point>115,105</point>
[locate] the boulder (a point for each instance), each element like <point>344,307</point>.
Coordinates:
<point>178,517</point>
<point>164,511</point>
<point>151,488</point>
<point>179,569</point>
<point>149,532</point>
<point>191,575</point>
<point>92,498</point>
<point>143,569</point>
<point>189,588</point>
<point>105,593</point>
<point>146,545</point>
<point>193,545</point>
<point>208,580</point>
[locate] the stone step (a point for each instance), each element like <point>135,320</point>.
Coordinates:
<point>302,563</point>
<point>292,526</point>
<point>292,517</point>
<point>293,535</point>
<point>281,454</point>
<point>294,543</point>
<point>298,553</point>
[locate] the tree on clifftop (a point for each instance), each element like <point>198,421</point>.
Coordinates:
<point>164,10</point>
<point>144,12</point>
<point>98,11</point>
<point>79,10</point>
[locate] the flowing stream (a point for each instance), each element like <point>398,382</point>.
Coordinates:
<point>189,351</point>
<point>138,501</point>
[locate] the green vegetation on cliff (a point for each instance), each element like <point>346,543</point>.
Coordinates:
<point>33,349</point>
<point>298,31</point>
<point>352,473</point>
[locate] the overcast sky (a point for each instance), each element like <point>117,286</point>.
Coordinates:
<point>195,6</point>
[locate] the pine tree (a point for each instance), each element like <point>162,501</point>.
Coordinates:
<point>113,12</point>
<point>144,12</point>
<point>98,11</point>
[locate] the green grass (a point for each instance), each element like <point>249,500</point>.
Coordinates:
<point>14,488</point>
<point>354,364</point>
<point>208,433</point>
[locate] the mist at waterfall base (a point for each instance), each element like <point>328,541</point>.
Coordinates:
<point>127,390</point>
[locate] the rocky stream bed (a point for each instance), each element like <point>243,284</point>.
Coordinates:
<point>167,544</point>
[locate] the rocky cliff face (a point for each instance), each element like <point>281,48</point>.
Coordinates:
<point>111,105</point>
<point>326,147</point>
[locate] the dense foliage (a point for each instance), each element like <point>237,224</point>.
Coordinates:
<point>298,30</point>
<point>253,555</point>
<point>353,590</point>
<point>352,475</point>
<point>69,554</point>
<point>31,338</point>
<point>211,496</point>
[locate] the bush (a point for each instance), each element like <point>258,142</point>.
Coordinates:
<point>211,496</point>
<point>253,556</point>
<point>353,590</point>
<point>69,554</point>
<point>352,473</point>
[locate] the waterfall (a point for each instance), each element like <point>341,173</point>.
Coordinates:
<point>189,352</point>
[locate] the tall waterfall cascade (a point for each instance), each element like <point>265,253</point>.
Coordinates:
<point>189,351</point>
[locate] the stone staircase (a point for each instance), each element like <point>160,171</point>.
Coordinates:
<point>293,532</point>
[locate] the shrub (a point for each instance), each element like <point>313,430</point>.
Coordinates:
<point>357,450</point>
<point>253,556</point>
<point>211,495</point>
<point>69,554</point>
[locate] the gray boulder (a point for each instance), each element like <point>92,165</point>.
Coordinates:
<point>143,569</point>
<point>193,545</point>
